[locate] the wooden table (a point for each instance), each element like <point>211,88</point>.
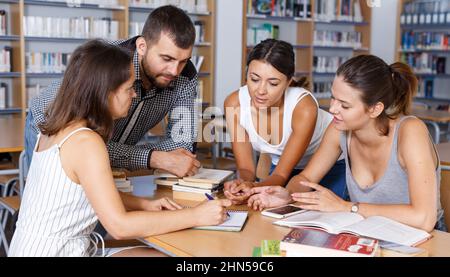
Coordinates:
<point>11,138</point>
<point>433,118</point>
<point>201,243</point>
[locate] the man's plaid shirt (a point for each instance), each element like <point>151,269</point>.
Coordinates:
<point>146,111</point>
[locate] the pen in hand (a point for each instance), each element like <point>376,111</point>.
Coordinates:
<point>212,198</point>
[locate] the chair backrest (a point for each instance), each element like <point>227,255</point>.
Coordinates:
<point>445,193</point>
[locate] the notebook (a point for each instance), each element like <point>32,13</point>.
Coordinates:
<point>234,223</point>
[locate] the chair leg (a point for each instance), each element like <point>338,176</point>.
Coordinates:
<point>4,240</point>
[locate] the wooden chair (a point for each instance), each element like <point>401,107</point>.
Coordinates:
<point>9,205</point>
<point>10,199</point>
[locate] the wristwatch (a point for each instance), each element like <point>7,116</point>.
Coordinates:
<point>355,207</point>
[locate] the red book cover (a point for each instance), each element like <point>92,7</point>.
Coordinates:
<point>322,239</point>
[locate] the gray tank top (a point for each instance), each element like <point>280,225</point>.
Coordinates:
<point>392,187</point>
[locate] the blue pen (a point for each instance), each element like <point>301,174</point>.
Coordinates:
<point>212,198</point>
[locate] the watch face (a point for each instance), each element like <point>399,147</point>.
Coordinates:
<point>354,208</point>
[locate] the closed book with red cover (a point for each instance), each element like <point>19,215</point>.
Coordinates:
<point>318,243</point>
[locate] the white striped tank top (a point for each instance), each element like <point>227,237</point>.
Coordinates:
<point>292,97</point>
<point>55,217</point>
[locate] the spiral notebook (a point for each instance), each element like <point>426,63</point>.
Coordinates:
<point>233,224</point>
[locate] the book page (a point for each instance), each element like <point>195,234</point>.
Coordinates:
<point>331,222</point>
<point>234,223</point>
<point>207,175</point>
<point>383,228</point>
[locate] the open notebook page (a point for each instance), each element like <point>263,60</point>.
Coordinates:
<point>389,230</point>
<point>331,222</point>
<point>234,223</point>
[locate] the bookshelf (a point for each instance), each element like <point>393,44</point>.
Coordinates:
<point>307,25</point>
<point>422,42</point>
<point>122,19</point>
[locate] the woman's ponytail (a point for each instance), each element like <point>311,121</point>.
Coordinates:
<point>404,84</point>
<point>300,83</point>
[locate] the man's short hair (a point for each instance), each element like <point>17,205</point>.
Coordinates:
<point>172,21</point>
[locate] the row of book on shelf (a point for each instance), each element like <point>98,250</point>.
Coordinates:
<point>38,62</point>
<point>413,40</point>
<point>100,3</point>
<point>6,59</point>
<point>426,12</point>
<point>425,63</point>
<point>46,62</point>
<point>136,29</point>
<point>328,64</point>
<point>324,10</point>
<point>351,39</point>
<point>6,94</point>
<point>192,6</point>
<point>425,88</point>
<point>74,27</point>
<point>259,32</point>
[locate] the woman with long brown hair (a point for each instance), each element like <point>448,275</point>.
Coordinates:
<point>392,167</point>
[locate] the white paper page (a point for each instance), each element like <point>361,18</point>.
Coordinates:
<point>332,222</point>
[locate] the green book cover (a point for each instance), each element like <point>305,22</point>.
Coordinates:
<point>256,251</point>
<point>270,248</point>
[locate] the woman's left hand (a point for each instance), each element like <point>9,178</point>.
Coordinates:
<point>321,199</point>
<point>163,204</point>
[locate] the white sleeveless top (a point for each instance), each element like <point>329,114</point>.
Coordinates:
<point>292,97</point>
<point>55,218</point>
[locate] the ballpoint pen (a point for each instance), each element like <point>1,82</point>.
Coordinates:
<point>212,198</point>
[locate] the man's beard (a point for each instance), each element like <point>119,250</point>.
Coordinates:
<point>150,77</point>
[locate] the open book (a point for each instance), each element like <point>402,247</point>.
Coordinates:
<point>234,223</point>
<point>377,227</point>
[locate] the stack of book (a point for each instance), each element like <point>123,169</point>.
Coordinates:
<point>121,181</point>
<point>194,187</point>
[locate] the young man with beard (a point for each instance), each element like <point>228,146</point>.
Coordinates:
<point>166,84</point>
